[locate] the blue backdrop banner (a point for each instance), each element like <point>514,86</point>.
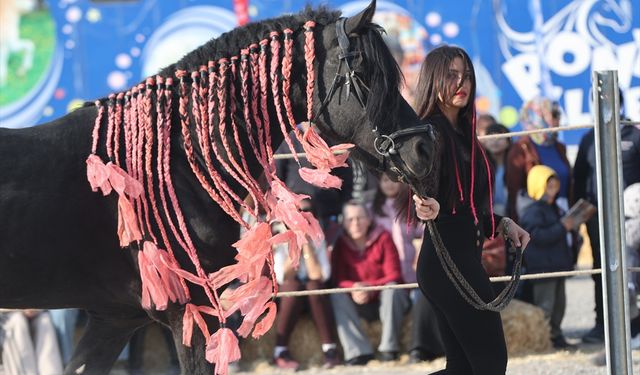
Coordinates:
<point>56,54</point>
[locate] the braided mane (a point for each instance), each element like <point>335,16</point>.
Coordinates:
<point>206,94</point>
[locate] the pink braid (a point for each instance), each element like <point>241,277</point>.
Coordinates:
<point>96,127</point>
<point>191,251</point>
<point>275,90</point>
<point>245,172</point>
<point>110,125</point>
<point>201,118</point>
<point>489,178</point>
<point>136,153</point>
<point>455,162</point>
<point>163,164</point>
<point>473,165</point>
<point>133,121</point>
<point>127,130</point>
<point>160,127</point>
<point>309,56</point>
<point>196,103</point>
<point>264,93</point>
<point>240,177</point>
<point>184,119</point>
<point>286,81</point>
<point>144,121</point>
<point>149,136</point>
<point>255,93</point>
<point>117,124</point>
<point>246,110</point>
<point>205,141</point>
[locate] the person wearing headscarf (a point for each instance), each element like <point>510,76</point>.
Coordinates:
<point>541,148</point>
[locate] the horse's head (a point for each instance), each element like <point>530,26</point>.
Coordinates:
<point>358,100</point>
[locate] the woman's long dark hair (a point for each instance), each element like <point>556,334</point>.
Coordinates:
<point>433,80</point>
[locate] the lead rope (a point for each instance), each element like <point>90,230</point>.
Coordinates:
<point>462,285</point>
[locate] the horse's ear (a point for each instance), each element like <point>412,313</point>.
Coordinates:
<point>354,23</point>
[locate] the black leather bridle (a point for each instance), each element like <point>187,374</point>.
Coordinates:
<point>386,145</point>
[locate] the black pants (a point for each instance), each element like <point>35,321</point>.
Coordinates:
<point>473,339</point>
<point>594,237</point>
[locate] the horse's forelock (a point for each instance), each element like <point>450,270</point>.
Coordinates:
<point>384,78</point>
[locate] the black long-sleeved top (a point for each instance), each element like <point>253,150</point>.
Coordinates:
<point>453,147</point>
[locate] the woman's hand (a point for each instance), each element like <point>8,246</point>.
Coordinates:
<point>512,231</point>
<point>426,208</point>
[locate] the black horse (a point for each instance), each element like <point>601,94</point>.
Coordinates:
<point>58,242</point>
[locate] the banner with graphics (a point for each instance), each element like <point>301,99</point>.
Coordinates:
<point>56,54</point>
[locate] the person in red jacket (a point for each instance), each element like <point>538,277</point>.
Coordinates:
<point>365,255</point>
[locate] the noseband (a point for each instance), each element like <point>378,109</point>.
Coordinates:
<point>386,145</point>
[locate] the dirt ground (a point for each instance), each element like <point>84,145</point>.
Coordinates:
<point>578,320</point>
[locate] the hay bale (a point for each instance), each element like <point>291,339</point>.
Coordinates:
<point>525,329</point>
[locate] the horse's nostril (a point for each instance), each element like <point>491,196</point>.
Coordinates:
<point>423,150</point>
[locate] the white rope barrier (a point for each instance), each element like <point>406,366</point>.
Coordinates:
<point>533,276</point>
<point>492,136</point>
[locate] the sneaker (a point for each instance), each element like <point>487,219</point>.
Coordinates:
<point>561,343</point>
<point>594,336</point>
<point>360,360</point>
<point>416,356</point>
<point>388,356</point>
<point>331,359</point>
<point>285,362</point>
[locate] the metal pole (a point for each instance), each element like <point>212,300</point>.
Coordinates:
<point>611,217</point>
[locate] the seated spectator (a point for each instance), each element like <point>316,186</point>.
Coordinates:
<point>313,271</point>
<point>548,250</point>
<point>426,343</point>
<point>364,255</point>
<point>30,345</point>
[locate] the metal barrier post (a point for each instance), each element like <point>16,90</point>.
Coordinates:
<point>611,216</point>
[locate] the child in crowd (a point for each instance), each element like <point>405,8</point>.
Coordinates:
<point>548,250</point>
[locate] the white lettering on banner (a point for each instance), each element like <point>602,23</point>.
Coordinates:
<point>573,108</point>
<point>523,71</point>
<point>562,46</point>
<point>579,38</point>
<point>569,55</point>
<point>632,103</point>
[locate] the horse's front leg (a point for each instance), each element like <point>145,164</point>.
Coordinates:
<point>104,338</point>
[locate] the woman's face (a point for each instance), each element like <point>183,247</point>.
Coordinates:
<point>356,222</point>
<point>389,188</point>
<point>458,97</point>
